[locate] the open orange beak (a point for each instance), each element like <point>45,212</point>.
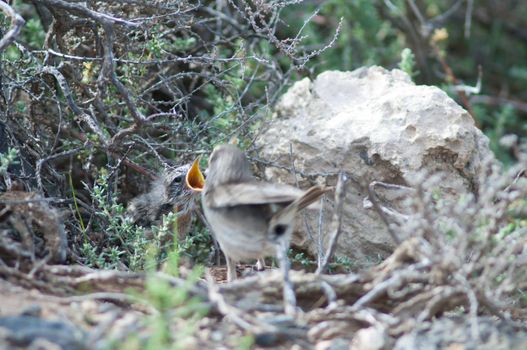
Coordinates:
<point>194,178</point>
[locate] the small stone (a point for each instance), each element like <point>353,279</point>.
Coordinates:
<point>371,338</point>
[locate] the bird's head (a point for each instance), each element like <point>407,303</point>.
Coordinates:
<point>227,164</point>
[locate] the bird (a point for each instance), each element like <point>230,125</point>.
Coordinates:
<point>168,193</point>
<point>250,219</point>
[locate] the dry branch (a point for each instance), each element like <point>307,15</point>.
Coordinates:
<point>17,22</point>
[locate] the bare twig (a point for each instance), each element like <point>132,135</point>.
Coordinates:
<point>242,320</point>
<point>288,290</point>
<point>88,119</point>
<point>340,194</point>
<point>294,172</point>
<point>16,25</point>
<point>468,18</point>
<point>83,11</point>
<point>380,210</point>
<point>38,169</point>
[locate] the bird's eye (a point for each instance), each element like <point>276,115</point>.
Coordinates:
<point>280,229</point>
<point>177,179</point>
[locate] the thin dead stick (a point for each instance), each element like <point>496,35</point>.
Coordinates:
<point>395,281</point>
<point>241,319</point>
<point>38,170</point>
<point>320,249</point>
<point>288,288</point>
<point>330,294</point>
<point>293,170</point>
<point>340,193</point>
<point>39,265</point>
<point>468,18</point>
<point>90,120</point>
<point>109,296</point>
<point>17,22</point>
<point>375,201</point>
<point>516,178</point>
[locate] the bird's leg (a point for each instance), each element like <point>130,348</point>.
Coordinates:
<point>260,264</point>
<point>289,292</point>
<point>231,269</point>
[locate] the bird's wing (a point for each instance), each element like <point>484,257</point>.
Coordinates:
<point>249,193</point>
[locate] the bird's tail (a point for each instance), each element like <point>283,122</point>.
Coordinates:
<point>282,223</point>
<point>310,196</point>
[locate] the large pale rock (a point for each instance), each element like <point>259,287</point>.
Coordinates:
<point>376,125</point>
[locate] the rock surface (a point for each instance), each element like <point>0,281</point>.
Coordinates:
<point>377,125</point>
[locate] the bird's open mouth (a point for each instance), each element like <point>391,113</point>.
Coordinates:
<point>194,178</point>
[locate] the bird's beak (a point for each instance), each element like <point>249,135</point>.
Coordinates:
<point>194,178</point>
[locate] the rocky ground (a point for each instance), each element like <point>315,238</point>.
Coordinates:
<point>392,306</point>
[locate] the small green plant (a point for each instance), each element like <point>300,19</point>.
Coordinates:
<point>407,63</point>
<point>33,33</point>
<point>225,117</point>
<point>163,232</point>
<point>196,246</point>
<point>77,211</point>
<point>246,342</point>
<point>340,263</point>
<point>184,44</point>
<point>20,106</point>
<point>301,258</point>
<point>7,159</point>
<point>137,247</point>
<point>157,44</point>
<point>91,256</point>
<point>126,241</point>
<point>178,312</point>
<point>498,123</point>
